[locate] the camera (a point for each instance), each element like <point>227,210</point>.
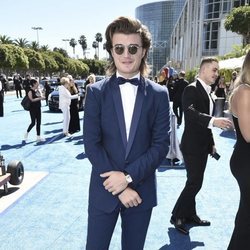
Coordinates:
<point>216,156</point>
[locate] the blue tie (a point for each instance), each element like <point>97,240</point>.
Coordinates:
<point>134,81</point>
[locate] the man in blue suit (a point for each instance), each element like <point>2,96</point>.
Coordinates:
<point>126,137</point>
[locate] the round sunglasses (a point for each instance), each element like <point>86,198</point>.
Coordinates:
<point>132,48</point>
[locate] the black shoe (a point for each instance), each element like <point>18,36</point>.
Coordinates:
<point>196,220</point>
<point>179,225</point>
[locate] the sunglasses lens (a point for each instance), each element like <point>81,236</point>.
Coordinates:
<point>132,49</point>
<point>119,49</point>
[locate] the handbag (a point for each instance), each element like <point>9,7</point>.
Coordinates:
<point>26,103</point>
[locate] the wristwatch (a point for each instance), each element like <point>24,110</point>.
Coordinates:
<point>128,178</point>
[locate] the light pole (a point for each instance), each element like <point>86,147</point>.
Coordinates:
<point>37,28</point>
<point>66,40</point>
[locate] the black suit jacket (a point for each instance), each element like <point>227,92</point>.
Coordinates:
<point>197,137</point>
<point>179,87</point>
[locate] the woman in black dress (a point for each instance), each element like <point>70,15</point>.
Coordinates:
<point>74,124</point>
<point>220,89</point>
<point>240,159</point>
<point>35,109</point>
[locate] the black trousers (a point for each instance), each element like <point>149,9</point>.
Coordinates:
<point>178,111</point>
<point>19,91</point>
<point>185,206</point>
<point>1,103</point>
<point>35,116</point>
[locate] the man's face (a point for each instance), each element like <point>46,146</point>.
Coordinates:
<point>127,63</point>
<point>209,72</point>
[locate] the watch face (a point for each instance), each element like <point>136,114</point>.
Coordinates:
<point>128,178</point>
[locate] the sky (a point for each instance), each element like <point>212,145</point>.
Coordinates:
<point>63,19</point>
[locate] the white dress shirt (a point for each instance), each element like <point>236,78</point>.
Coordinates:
<point>211,103</point>
<point>128,95</point>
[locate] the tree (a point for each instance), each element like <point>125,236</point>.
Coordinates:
<point>13,57</point>
<point>238,20</point>
<point>34,46</point>
<point>21,42</point>
<point>95,46</point>
<point>73,44</point>
<point>5,40</point>
<point>98,38</point>
<point>83,42</point>
<point>61,51</point>
<point>36,61</point>
<point>44,48</point>
<point>51,65</point>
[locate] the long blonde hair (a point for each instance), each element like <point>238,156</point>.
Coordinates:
<point>243,78</point>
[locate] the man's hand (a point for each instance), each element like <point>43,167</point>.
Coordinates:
<point>130,198</point>
<point>115,182</point>
<point>223,123</point>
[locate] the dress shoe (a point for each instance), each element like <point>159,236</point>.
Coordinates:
<point>179,225</point>
<point>196,220</point>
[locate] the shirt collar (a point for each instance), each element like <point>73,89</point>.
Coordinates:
<point>135,76</point>
<point>205,86</point>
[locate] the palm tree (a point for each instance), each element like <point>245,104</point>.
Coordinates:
<point>61,51</point>
<point>44,48</point>
<point>21,42</point>
<point>83,42</point>
<point>98,38</point>
<point>5,40</point>
<point>95,46</point>
<point>34,45</point>
<point>73,44</point>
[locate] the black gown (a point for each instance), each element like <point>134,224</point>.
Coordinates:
<point>74,124</point>
<point>240,167</point>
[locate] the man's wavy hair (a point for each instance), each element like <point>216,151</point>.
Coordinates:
<point>127,25</point>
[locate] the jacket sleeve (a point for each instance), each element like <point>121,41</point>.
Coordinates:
<point>93,134</point>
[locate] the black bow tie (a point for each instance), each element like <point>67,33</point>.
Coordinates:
<point>134,81</point>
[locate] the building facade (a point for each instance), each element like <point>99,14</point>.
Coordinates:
<point>160,17</point>
<point>199,32</point>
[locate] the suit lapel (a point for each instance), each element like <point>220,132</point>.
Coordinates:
<point>119,110</point>
<point>136,116</point>
<point>205,96</point>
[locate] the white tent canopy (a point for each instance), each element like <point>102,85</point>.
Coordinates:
<point>232,63</point>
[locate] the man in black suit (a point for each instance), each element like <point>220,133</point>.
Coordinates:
<point>197,141</point>
<point>179,87</point>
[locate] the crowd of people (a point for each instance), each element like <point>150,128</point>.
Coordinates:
<point>127,135</point>
<point>68,101</point>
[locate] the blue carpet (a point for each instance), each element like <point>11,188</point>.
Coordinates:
<point>53,214</point>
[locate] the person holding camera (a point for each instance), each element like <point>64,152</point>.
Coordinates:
<point>197,142</point>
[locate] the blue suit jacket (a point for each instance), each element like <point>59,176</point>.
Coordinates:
<point>106,144</point>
